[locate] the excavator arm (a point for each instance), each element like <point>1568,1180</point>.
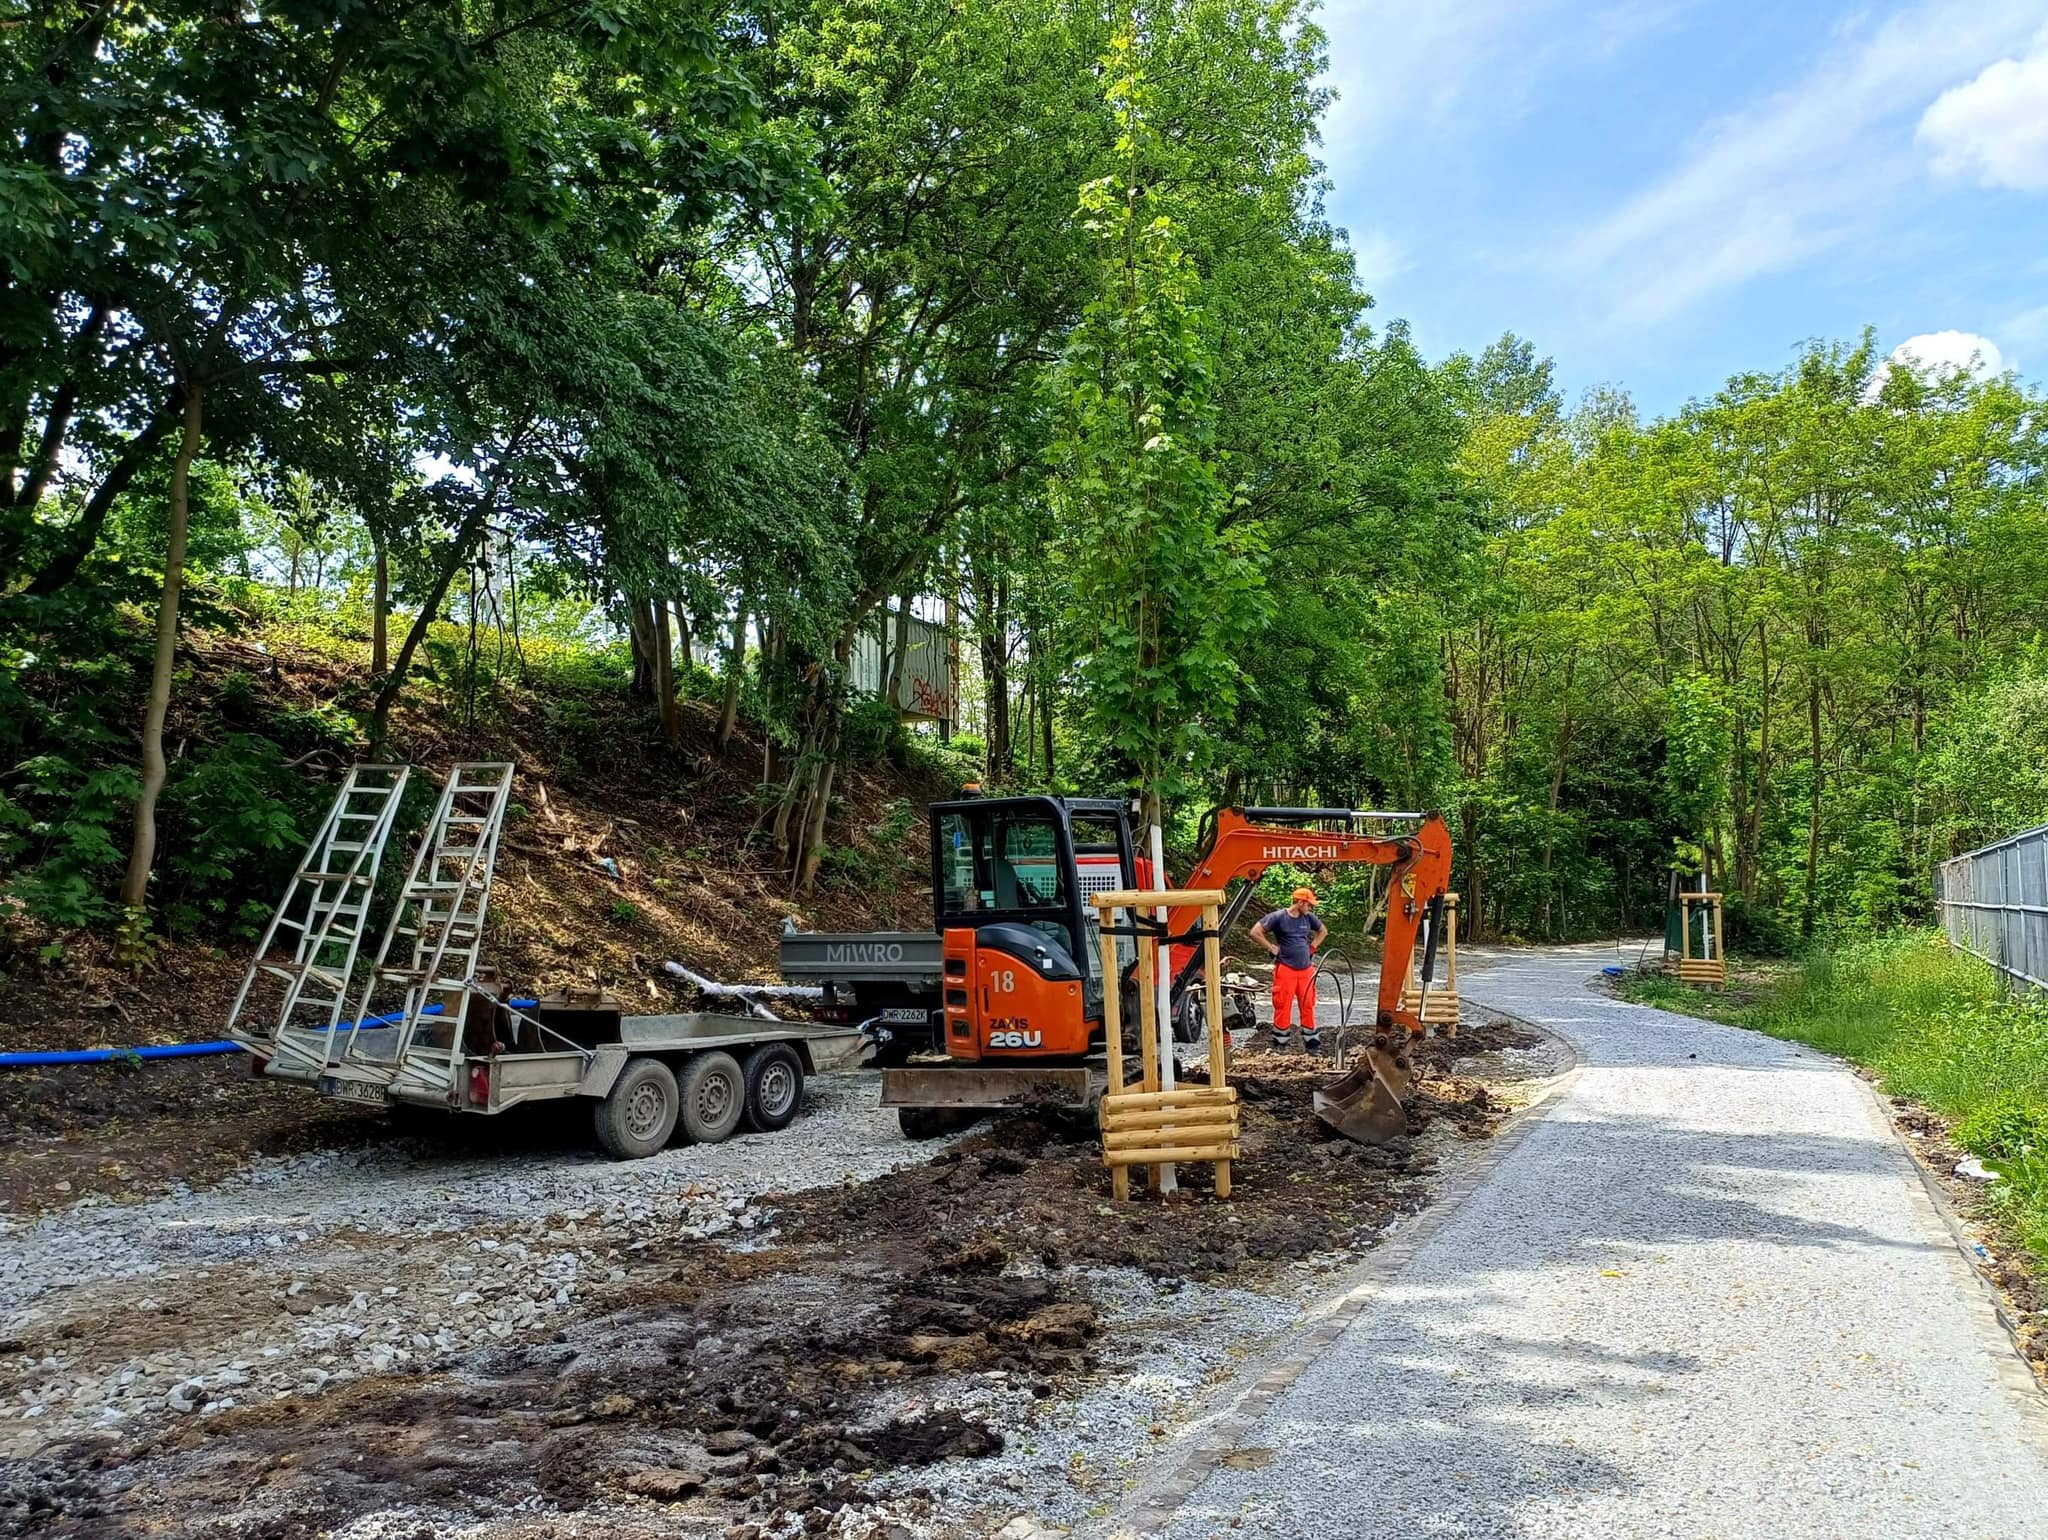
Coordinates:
<point>1245,842</point>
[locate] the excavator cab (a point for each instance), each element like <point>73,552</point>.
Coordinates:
<point>1010,884</point>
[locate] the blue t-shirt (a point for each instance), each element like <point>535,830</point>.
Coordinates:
<point>1295,936</point>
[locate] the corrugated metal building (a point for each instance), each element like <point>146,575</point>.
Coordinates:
<point>927,693</point>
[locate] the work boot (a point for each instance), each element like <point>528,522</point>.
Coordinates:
<point>1282,1041</point>
<point>1311,1043</point>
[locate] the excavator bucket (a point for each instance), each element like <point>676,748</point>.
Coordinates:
<point>1366,1104</point>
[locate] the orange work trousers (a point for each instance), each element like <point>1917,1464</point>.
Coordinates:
<point>1293,986</point>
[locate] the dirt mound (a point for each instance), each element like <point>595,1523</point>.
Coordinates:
<point>1036,1185</point>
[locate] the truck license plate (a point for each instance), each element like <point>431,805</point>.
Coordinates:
<point>906,1013</point>
<point>352,1090</point>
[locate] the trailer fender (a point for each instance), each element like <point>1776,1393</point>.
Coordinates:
<point>603,1073</point>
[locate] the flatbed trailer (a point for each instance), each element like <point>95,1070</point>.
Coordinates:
<point>704,1073</point>
<point>457,1043</point>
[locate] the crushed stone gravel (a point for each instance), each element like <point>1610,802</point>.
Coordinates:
<point>1708,1295</point>
<point>300,1273</point>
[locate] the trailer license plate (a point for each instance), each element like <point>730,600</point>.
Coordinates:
<point>352,1090</point>
<point>906,1013</point>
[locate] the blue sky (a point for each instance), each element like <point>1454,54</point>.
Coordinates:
<point>1662,193</point>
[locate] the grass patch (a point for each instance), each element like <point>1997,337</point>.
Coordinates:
<point>1936,1026</point>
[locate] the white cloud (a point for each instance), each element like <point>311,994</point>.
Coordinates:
<point>1405,67</point>
<point>1994,129</point>
<point>1396,63</point>
<point>1800,173</point>
<point>1944,352</point>
<point>1378,257</point>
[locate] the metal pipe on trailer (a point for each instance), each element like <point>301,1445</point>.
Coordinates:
<point>750,995</point>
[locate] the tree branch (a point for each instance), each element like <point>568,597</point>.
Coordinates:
<point>85,534</point>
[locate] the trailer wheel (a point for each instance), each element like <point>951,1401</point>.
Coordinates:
<point>639,1113</point>
<point>775,1086</point>
<point>714,1096</point>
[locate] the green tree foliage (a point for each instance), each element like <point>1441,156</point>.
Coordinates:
<point>682,349</point>
<point>1775,615</point>
<point>1164,598</point>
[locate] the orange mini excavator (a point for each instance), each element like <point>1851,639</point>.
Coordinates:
<point>1019,1008</point>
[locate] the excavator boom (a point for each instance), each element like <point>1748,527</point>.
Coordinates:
<point>1245,842</point>
<point>1024,982</point>
<point>1369,1102</point>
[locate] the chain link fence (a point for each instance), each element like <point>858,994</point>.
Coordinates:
<point>1994,905</point>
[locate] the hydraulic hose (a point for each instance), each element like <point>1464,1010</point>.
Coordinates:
<point>47,1059</point>
<point>1344,985</point>
<point>108,1055</point>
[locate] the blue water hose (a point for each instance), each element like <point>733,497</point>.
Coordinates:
<point>54,1057</point>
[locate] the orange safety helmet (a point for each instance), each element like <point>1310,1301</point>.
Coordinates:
<point>1304,896</point>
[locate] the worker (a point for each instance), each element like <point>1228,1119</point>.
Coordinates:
<point>1291,936</point>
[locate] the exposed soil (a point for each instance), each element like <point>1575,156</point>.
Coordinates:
<point>2007,1266</point>
<point>120,1131</point>
<point>743,1385</point>
<point>1300,1189</point>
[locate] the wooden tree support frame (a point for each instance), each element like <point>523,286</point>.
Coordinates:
<point>1441,1008</point>
<point>1711,965</point>
<point>1144,1124</point>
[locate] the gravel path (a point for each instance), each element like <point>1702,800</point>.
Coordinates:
<point>1706,1296</point>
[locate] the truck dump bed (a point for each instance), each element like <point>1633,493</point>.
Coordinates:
<point>914,957</point>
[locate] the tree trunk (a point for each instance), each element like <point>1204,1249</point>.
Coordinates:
<point>1045,726</point>
<point>814,822</point>
<point>640,636</point>
<point>735,661</point>
<point>1806,919</point>
<point>828,715</point>
<point>684,647</point>
<point>142,849</point>
<point>1475,885</point>
<point>453,557</point>
<point>380,609</point>
<point>992,606</point>
<point>772,647</point>
<point>1564,744</point>
<point>995,679</point>
<point>85,533</point>
<point>952,654</point>
<point>665,678</point>
<point>899,656</point>
<point>1030,729</point>
<point>1749,828</point>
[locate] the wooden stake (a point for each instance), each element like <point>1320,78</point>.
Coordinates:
<point>1148,1014</point>
<point>1113,1046</point>
<point>1147,1125</point>
<point>1212,968</point>
<point>1451,958</point>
